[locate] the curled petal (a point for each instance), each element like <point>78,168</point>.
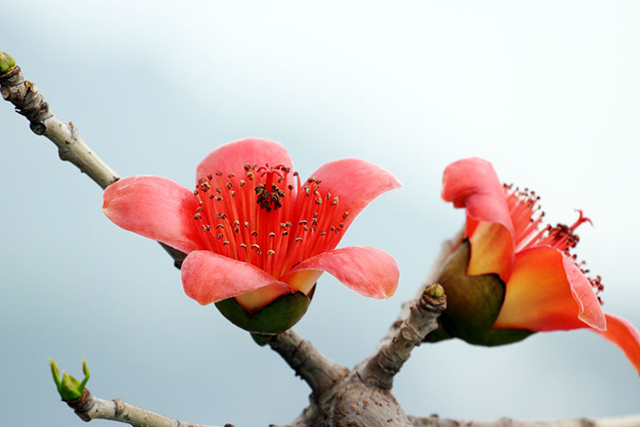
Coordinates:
<point>473,184</point>
<point>491,250</point>
<point>356,182</point>
<point>208,277</point>
<point>233,156</point>
<point>154,207</point>
<point>547,292</point>
<point>368,271</point>
<point>623,334</point>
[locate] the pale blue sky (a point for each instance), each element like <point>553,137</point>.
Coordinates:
<point>547,91</point>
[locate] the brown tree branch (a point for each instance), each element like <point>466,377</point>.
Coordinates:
<point>316,369</point>
<point>628,421</point>
<point>379,369</point>
<point>88,408</point>
<point>447,248</point>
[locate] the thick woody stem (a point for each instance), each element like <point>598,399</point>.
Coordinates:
<point>30,103</point>
<point>448,247</point>
<point>628,421</point>
<point>88,408</point>
<point>379,370</point>
<point>316,369</point>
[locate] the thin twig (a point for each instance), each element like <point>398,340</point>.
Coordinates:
<point>379,369</point>
<point>29,102</point>
<point>316,369</point>
<point>88,408</point>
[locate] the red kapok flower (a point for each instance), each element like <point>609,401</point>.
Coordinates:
<point>254,231</point>
<point>545,289</point>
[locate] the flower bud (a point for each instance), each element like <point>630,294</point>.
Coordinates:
<point>6,62</point>
<point>473,305</point>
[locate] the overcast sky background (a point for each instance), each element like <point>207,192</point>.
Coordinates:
<point>547,91</point>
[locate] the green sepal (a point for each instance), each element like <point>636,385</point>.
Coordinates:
<point>473,305</point>
<point>6,62</point>
<point>277,316</point>
<point>68,387</point>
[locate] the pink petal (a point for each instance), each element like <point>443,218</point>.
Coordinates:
<point>208,277</point>
<point>623,334</point>
<point>233,156</point>
<point>473,184</point>
<point>356,183</point>
<point>547,292</point>
<point>154,207</point>
<point>368,271</point>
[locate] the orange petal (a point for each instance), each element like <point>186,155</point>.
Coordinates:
<point>473,184</point>
<point>547,292</point>
<point>491,251</point>
<point>623,334</point>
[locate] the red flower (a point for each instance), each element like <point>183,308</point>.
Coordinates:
<point>253,230</point>
<point>546,289</point>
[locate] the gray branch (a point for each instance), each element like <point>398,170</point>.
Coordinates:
<point>316,369</point>
<point>385,363</point>
<point>88,408</point>
<point>28,101</point>
<point>448,247</point>
<point>628,421</point>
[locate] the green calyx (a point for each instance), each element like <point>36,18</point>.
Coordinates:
<point>473,305</point>
<point>277,316</point>
<point>6,62</point>
<point>68,387</point>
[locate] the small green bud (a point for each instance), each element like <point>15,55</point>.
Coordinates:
<point>277,316</point>
<point>68,387</point>
<point>435,290</point>
<point>6,62</point>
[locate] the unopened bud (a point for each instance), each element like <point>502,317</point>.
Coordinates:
<point>473,305</point>
<point>68,387</point>
<point>6,62</point>
<point>435,291</point>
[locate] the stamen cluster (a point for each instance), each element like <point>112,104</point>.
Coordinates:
<point>267,217</point>
<point>527,216</point>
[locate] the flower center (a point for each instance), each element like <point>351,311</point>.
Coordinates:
<point>526,216</point>
<point>266,217</point>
